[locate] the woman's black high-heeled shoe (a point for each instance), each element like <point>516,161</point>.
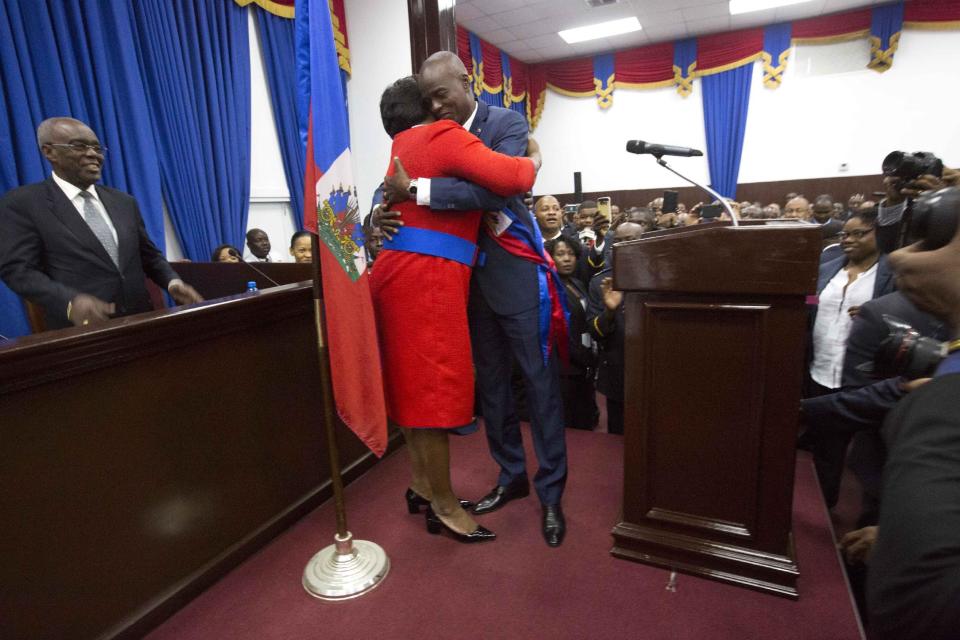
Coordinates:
<point>415,501</point>
<point>436,526</point>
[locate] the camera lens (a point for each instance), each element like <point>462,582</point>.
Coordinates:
<point>934,218</point>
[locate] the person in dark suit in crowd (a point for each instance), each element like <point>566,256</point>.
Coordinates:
<point>576,376</point>
<point>549,217</point>
<point>913,581</point>
<point>79,250</point>
<point>843,286</point>
<point>830,228</point>
<point>606,323</point>
<point>225,253</point>
<point>858,412</point>
<point>504,305</point>
<point>301,247</point>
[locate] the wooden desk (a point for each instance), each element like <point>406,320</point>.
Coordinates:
<point>218,279</point>
<point>144,459</point>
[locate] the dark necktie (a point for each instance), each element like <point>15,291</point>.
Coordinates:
<point>99,227</point>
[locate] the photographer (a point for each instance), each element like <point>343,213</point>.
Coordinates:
<point>905,177</point>
<point>914,576</point>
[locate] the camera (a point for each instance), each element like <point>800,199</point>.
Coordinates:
<point>932,220</point>
<point>910,166</point>
<point>904,352</point>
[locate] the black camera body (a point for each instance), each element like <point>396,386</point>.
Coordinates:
<point>904,352</point>
<point>933,219</point>
<point>910,166</point>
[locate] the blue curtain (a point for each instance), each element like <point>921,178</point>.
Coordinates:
<point>726,97</point>
<point>280,59</point>
<point>74,58</point>
<point>196,67</point>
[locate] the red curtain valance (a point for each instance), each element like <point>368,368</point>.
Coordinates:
<point>653,65</point>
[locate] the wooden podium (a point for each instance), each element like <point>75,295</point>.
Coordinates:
<point>715,330</point>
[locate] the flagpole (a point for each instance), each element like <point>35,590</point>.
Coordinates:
<point>348,568</point>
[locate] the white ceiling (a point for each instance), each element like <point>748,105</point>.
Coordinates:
<point>527,29</point>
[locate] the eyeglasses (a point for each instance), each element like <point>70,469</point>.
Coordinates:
<point>854,235</point>
<point>80,147</point>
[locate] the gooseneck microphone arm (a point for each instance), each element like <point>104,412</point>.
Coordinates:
<point>723,202</point>
<point>250,266</point>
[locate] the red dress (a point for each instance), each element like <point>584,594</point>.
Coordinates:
<point>421,300</point>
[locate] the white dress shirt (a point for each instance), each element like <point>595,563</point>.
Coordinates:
<point>271,257</point>
<point>832,327</point>
<point>72,192</point>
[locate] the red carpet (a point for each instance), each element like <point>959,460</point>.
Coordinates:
<point>515,587</point>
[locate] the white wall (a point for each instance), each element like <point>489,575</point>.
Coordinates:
<point>804,129</point>
<point>379,39</point>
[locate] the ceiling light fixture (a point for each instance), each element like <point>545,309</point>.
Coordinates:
<point>746,6</point>
<point>600,30</point>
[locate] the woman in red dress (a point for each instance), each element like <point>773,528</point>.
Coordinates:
<point>420,288</point>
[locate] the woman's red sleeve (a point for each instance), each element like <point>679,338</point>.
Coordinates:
<point>461,154</point>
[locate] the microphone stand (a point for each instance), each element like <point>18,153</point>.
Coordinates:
<point>720,199</point>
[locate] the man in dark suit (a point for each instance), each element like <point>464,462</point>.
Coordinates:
<point>78,250</point>
<point>606,323</point>
<point>504,304</point>
<point>913,581</point>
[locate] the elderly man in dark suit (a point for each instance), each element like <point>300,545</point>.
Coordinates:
<point>504,303</point>
<point>78,250</point>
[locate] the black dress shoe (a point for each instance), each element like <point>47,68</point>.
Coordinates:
<point>554,525</point>
<point>435,526</point>
<point>501,495</point>
<point>415,501</point>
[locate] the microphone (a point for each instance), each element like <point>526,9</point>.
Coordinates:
<point>653,149</point>
<point>234,253</point>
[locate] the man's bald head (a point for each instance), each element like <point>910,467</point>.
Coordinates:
<point>445,83</point>
<point>72,149</point>
<point>798,207</point>
<point>627,231</point>
<point>447,60</point>
<point>52,130</point>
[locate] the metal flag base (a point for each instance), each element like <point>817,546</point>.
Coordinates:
<point>346,569</point>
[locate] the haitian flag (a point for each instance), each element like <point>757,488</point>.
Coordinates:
<point>332,212</point>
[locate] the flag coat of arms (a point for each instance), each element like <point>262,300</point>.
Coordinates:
<point>331,210</point>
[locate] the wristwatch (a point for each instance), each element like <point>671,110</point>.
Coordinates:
<point>412,189</point>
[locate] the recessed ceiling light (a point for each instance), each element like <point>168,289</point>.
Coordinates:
<point>746,6</point>
<point>601,30</point>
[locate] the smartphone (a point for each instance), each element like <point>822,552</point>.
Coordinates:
<point>670,199</point>
<point>710,211</point>
<point>603,206</point>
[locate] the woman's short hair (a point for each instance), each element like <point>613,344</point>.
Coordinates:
<point>402,106</point>
<point>216,252</point>
<point>551,245</point>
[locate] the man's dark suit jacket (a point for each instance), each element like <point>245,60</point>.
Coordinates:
<point>48,254</point>
<point>508,283</point>
<point>864,401</point>
<point>610,336</point>
<point>913,579</point>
